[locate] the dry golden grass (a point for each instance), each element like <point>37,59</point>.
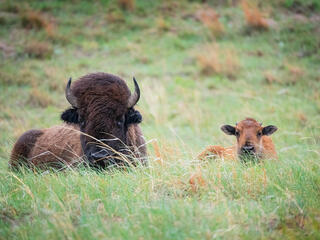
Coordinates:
<point>254,17</point>
<point>211,20</point>
<point>8,79</point>
<point>197,181</point>
<point>270,77</point>
<point>302,118</point>
<point>162,24</point>
<point>159,158</point>
<point>295,73</point>
<point>39,50</point>
<point>38,98</point>
<point>216,60</point>
<point>115,17</point>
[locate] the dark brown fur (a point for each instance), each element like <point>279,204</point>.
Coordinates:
<point>101,105</point>
<point>22,148</point>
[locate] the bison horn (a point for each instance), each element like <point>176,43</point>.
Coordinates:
<point>69,96</point>
<point>134,98</point>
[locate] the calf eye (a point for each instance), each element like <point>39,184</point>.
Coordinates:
<point>237,133</point>
<point>259,134</point>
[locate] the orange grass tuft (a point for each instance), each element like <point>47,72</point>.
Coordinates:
<point>253,16</point>
<point>295,73</point>
<point>157,152</point>
<point>270,77</point>
<point>210,19</point>
<point>196,180</point>
<point>162,24</point>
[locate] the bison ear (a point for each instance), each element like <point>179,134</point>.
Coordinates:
<point>133,117</point>
<point>268,130</point>
<point>70,116</point>
<point>228,129</point>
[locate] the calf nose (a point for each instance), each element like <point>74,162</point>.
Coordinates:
<point>248,148</point>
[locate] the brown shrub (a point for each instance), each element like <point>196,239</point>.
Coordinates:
<point>39,50</point>
<point>254,16</point>
<point>38,98</point>
<point>127,4</point>
<point>210,19</point>
<point>33,19</point>
<point>215,60</point>
<point>36,20</point>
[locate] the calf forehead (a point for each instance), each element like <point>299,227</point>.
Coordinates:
<point>249,124</point>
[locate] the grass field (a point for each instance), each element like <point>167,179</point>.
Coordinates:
<point>199,65</point>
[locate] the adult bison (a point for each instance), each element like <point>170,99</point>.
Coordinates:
<point>101,127</point>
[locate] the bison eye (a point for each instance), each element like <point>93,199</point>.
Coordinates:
<point>237,133</point>
<point>259,134</point>
<point>81,121</point>
<point>120,121</point>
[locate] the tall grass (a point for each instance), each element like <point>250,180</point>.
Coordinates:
<point>189,88</point>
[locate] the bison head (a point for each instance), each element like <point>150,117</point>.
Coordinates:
<point>249,135</point>
<point>103,107</point>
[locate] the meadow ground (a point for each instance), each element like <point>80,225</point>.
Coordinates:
<point>199,66</point>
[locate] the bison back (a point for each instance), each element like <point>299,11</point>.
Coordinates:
<point>51,147</point>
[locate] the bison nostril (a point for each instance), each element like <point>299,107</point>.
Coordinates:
<point>100,154</point>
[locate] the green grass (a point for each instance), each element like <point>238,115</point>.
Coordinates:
<point>276,81</point>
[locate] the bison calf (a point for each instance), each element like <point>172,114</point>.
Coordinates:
<point>101,124</point>
<point>253,142</point>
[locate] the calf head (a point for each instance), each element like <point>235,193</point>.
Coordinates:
<point>249,134</point>
<point>103,107</point>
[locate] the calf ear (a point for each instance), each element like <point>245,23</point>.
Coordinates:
<point>268,130</point>
<point>70,116</point>
<point>228,129</point>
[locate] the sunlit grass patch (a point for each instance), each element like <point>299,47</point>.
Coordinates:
<point>214,59</point>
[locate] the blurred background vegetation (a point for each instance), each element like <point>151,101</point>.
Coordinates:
<point>200,64</point>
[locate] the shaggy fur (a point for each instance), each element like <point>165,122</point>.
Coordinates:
<point>101,112</point>
<point>249,133</point>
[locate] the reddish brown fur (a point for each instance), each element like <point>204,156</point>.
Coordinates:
<point>248,133</point>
